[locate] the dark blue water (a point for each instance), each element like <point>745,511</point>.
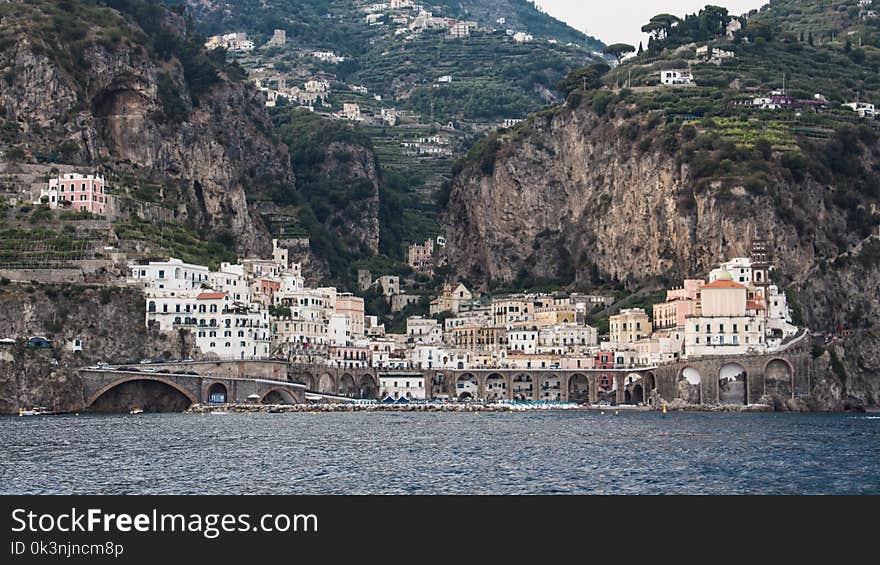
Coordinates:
<point>390,453</point>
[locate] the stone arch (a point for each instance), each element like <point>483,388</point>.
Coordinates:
<point>189,397</point>
<point>522,387</point>
<point>779,378</point>
<point>496,387</point>
<point>606,387</point>
<point>278,395</point>
<point>367,387</point>
<point>440,385</point>
<point>690,385</point>
<point>579,388</point>
<point>218,393</point>
<point>347,385</point>
<point>326,384</point>
<point>466,386</point>
<point>649,384</point>
<point>551,388</point>
<point>638,394</point>
<point>304,378</point>
<point>733,385</point>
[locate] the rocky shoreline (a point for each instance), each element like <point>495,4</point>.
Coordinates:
<point>459,407</point>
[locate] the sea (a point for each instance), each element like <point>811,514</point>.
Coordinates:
<point>541,452</point>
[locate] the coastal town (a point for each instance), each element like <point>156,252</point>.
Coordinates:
<point>261,308</point>
<point>411,328</point>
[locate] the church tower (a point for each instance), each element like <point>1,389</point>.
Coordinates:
<point>761,264</point>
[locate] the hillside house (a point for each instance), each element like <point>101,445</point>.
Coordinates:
<point>675,77</point>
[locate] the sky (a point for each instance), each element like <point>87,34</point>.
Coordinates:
<point>621,21</point>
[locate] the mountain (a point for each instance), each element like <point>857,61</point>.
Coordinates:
<point>125,88</point>
<point>637,187</point>
<point>445,92</point>
<point>306,21</point>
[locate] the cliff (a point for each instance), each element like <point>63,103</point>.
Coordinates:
<point>583,199</point>
<point>108,321</point>
<point>134,93</point>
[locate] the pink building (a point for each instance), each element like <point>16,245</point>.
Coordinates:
<point>77,192</point>
<point>680,303</point>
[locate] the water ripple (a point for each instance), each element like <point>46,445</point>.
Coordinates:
<point>362,453</point>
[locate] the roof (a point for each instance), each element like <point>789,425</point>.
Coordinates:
<point>211,296</point>
<point>724,284</point>
<point>754,305</point>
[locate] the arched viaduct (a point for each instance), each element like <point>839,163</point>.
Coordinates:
<point>705,381</point>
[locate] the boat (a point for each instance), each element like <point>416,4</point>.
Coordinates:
<point>219,412</point>
<point>39,411</point>
<point>136,411</point>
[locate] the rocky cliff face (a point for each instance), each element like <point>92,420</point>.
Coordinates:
<point>108,321</point>
<point>129,112</point>
<point>577,198</point>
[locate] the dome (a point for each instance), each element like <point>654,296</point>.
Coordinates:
<point>724,276</point>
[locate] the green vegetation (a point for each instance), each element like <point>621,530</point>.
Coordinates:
<point>328,197</point>
<point>177,240</point>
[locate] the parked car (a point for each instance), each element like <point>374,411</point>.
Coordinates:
<point>190,373</point>
<point>163,371</point>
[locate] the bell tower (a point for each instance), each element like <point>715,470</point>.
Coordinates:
<point>761,264</point>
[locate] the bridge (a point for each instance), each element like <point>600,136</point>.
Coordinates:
<point>167,387</point>
<point>719,380</point>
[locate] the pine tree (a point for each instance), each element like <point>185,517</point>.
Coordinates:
<point>641,49</point>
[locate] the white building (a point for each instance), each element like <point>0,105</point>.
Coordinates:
<point>676,77</point>
<point>421,330</point>
<point>173,274</point>
<point>564,339</point>
<point>739,268</point>
<point>522,37</point>
<point>404,385</point>
<point>221,328</point>
<point>863,109</point>
<point>523,340</point>
<point>459,30</point>
<point>729,323</point>
<point>339,330</point>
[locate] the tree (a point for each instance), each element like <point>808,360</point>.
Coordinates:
<point>641,49</point>
<point>660,25</point>
<point>619,50</point>
<point>714,19</point>
<point>587,78</point>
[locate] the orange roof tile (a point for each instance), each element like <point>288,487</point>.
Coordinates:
<point>211,295</point>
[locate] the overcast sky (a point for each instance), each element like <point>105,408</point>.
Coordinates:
<point>621,21</point>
